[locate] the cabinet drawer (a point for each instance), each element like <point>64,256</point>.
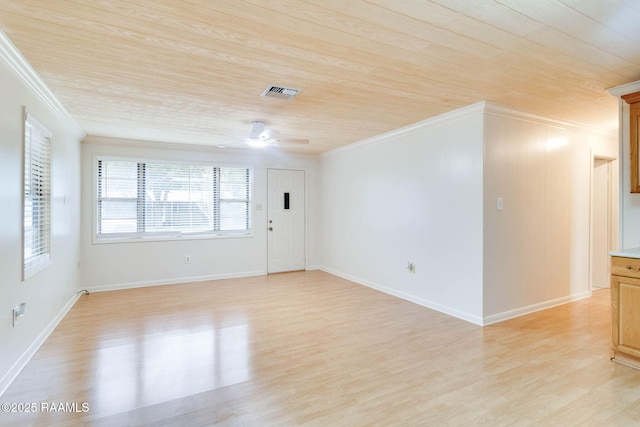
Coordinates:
<point>628,267</point>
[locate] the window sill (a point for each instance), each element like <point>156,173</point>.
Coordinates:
<point>34,269</point>
<point>171,238</point>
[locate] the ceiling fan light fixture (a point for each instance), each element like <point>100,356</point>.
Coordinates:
<point>257,128</point>
<point>267,133</point>
<point>262,136</point>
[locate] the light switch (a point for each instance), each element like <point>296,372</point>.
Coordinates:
<point>499,204</point>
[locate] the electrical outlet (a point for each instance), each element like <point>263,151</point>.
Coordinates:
<point>18,312</point>
<point>187,259</point>
<point>411,267</point>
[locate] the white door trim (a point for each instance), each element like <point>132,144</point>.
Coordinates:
<point>610,213</point>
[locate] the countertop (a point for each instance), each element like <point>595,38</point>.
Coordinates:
<point>627,253</point>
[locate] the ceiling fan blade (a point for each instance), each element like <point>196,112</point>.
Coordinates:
<point>293,141</point>
<point>256,142</point>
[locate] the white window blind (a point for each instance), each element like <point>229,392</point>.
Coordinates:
<point>147,199</point>
<point>37,197</point>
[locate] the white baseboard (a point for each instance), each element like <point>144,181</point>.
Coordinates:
<point>131,285</point>
<point>495,318</point>
<point>484,321</point>
<point>22,361</point>
<point>412,298</point>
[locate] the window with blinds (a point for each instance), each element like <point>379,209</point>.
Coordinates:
<point>150,199</point>
<point>37,197</point>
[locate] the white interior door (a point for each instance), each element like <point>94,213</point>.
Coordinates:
<point>600,241</point>
<point>286,220</point>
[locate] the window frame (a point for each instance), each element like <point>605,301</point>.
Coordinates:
<point>32,264</point>
<point>168,235</point>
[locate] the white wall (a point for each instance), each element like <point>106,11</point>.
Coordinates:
<point>119,265</point>
<point>537,250</point>
<point>629,202</point>
<point>428,194</point>
<point>411,195</point>
<point>49,293</point>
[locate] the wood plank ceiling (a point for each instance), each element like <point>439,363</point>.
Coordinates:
<point>192,71</point>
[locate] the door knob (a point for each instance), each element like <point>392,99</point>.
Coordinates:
<point>270,228</point>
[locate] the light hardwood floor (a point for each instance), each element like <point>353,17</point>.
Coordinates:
<point>309,348</point>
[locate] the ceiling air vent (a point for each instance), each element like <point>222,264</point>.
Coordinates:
<point>280,92</point>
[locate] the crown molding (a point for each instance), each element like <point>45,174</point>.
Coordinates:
<point>500,110</point>
<point>148,143</point>
<point>451,116</point>
<point>19,64</point>
<point>482,107</point>
<point>625,89</point>
<point>248,153</point>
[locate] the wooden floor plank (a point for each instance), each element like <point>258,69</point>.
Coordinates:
<point>308,348</point>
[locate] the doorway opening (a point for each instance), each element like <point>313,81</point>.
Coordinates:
<point>601,223</point>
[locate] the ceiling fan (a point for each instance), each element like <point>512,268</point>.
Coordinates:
<point>262,136</point>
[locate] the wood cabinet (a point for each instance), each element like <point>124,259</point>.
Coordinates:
<point>633,99</point>
<point>625,310</point>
